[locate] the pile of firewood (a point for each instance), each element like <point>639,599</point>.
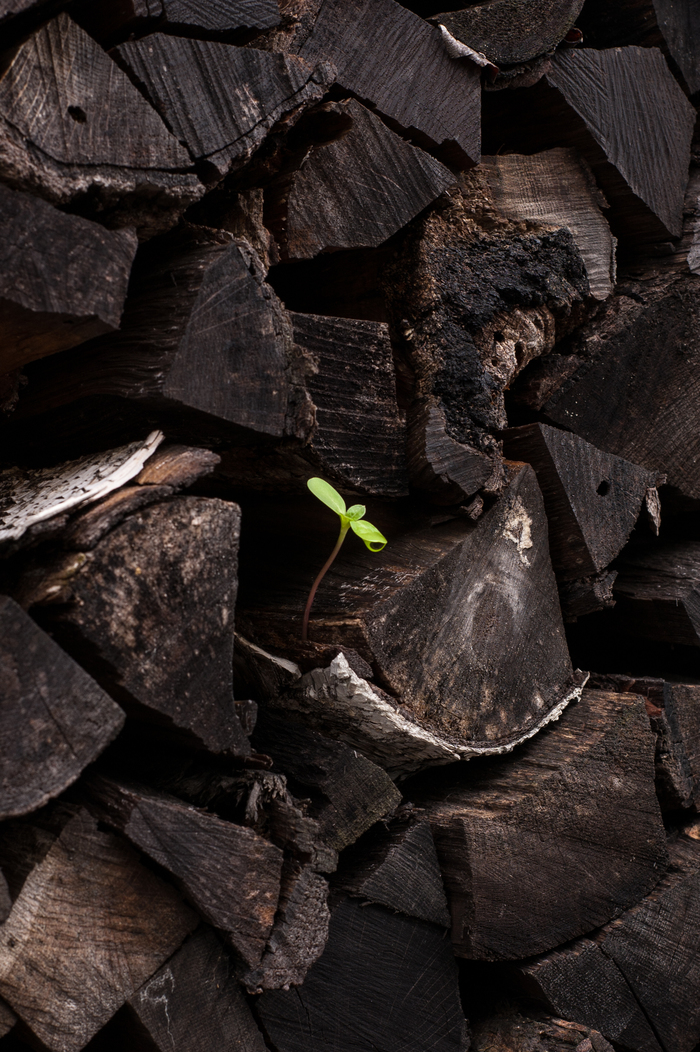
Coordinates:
<point>245,243</point>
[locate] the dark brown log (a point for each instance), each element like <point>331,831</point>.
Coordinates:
<point>556,841</point>
<point>619,108</point>
<point>55,719</point>
<point>474,298</point>
<point>557,188</point>
<point>384,981</point>
<point>356,191</point>
<point>587,595</point>
<point>348,792</point>
<point>390,58</point>
<point>177,466</point>
<point>493,644</point>
<point>397,866</point>
<point>509,32</point>
<point>212,19</point>
<point>75,131</point>
<point>108,920</point>
<point>150,609</point>
<point>638,359</point>
<point>195,1004</point>
<point>509,1031</point>
<point>592,499</point>
<point>648,956</point>
<point>657,592</point>
<point>63,279</point>
<point>220,101</point>
<point>229,873</point>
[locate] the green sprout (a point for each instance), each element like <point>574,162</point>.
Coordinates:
<point>350,519</point>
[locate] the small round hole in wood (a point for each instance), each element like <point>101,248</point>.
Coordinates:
<point>603,488</point>
<point>78,114</point>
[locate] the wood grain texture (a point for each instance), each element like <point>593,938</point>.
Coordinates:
<point>556,188</point>
<point>218,100</point>
<point>75,131</point>
<point>54,720</point>
<point>507,1030</point>
<point>357,191</point>
<point>63,279</point>
<point>194,1003</point>
<point>509,32</point>
<point>213,19</point>
<point>384,981</point>
<point>390,58</point>
<point>229,873</point>
<point>108,920</point>
<point>535,850</point>
<point>658,592</point>
<point>592,499</point>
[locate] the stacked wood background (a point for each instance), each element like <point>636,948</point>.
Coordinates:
<point>449,261</point>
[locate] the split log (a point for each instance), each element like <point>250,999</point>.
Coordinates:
<point>475,298</point>
<point>619,108</point>
<point>109,921</point>
<point>535,851</point>
<point>74,131</point>
<point>511,33</point>
<point>195,1004</point>
<point>592,499</point>
<point>348,792</point>
<point>63,279</point>
<point>388,57</point>
<point>54,721</point>
<point>218,100</point>
<point>509,1031</point>
<point>639,359</point>
<point>587,595</point>
<point>557,188</point>
<point>397,866</point>
<point>657,592</point>
<point>150,610</point>
<point>229,873</point>
<point>639,981</point>
<point>462,611</point>
<point>210,20</point>
<point>355,191</point>
<point>384,981</point>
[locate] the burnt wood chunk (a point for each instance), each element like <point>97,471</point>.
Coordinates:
<point>390,58</point>
<point>397,867</point>
<point>348,792</point>
<point>618,107</point>
<point>150,609</point>
<point>195,1004</point>
<point>556,187</point>
<point>647,958</point>
<point>63,279</point>
<point>75,131</point>
<point>657,592</point>
<point>592,499</point>
<point>357,191</point>
<point>510,33</point>
<point>389,981</point>
<point>218,100</point>
<point>109,921</point>
<point>460,621</point>
<point>199,18</point>
<point>54,719</point>
<point>587,595</point>
<point>177,466</point>
<point>229,873</point>
<point>556,841</point>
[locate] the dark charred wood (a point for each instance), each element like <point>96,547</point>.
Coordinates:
<point>657,592</point>
<point>373,960</point>
<point>74,131</point>
<point>222,19</point>
<point>534,851</point>
<point>42,689</point>
<point>195,1004</point>
<point>218,100</point>
<point>63,279</point>
<point>229,873</point>
<point>390,58</point>
<point>592,499</point>
<point>587,595</point>
<point>109,921</point>
<point>509,32</point>
<point>619,108</point>
<point>348,793</point>
<point>507,1030</point>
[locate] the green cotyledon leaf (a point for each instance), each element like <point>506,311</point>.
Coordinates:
<point>374,540</point>
<point>330,496</point>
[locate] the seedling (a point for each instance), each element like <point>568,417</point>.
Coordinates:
<point>350,519</point>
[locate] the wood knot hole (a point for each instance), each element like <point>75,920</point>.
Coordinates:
<point>78,114</point>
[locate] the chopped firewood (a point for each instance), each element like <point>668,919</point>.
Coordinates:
<point>657,591</point>
<point>587,595</point>
<point>212,19</point>
<point>511,33</point>
<point>507,1030</point>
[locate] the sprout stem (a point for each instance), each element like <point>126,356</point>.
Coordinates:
<point>322,574</point>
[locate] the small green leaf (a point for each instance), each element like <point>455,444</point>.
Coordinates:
<point>374,540</point>
<point>356,512</point>
<point>325,492</point>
